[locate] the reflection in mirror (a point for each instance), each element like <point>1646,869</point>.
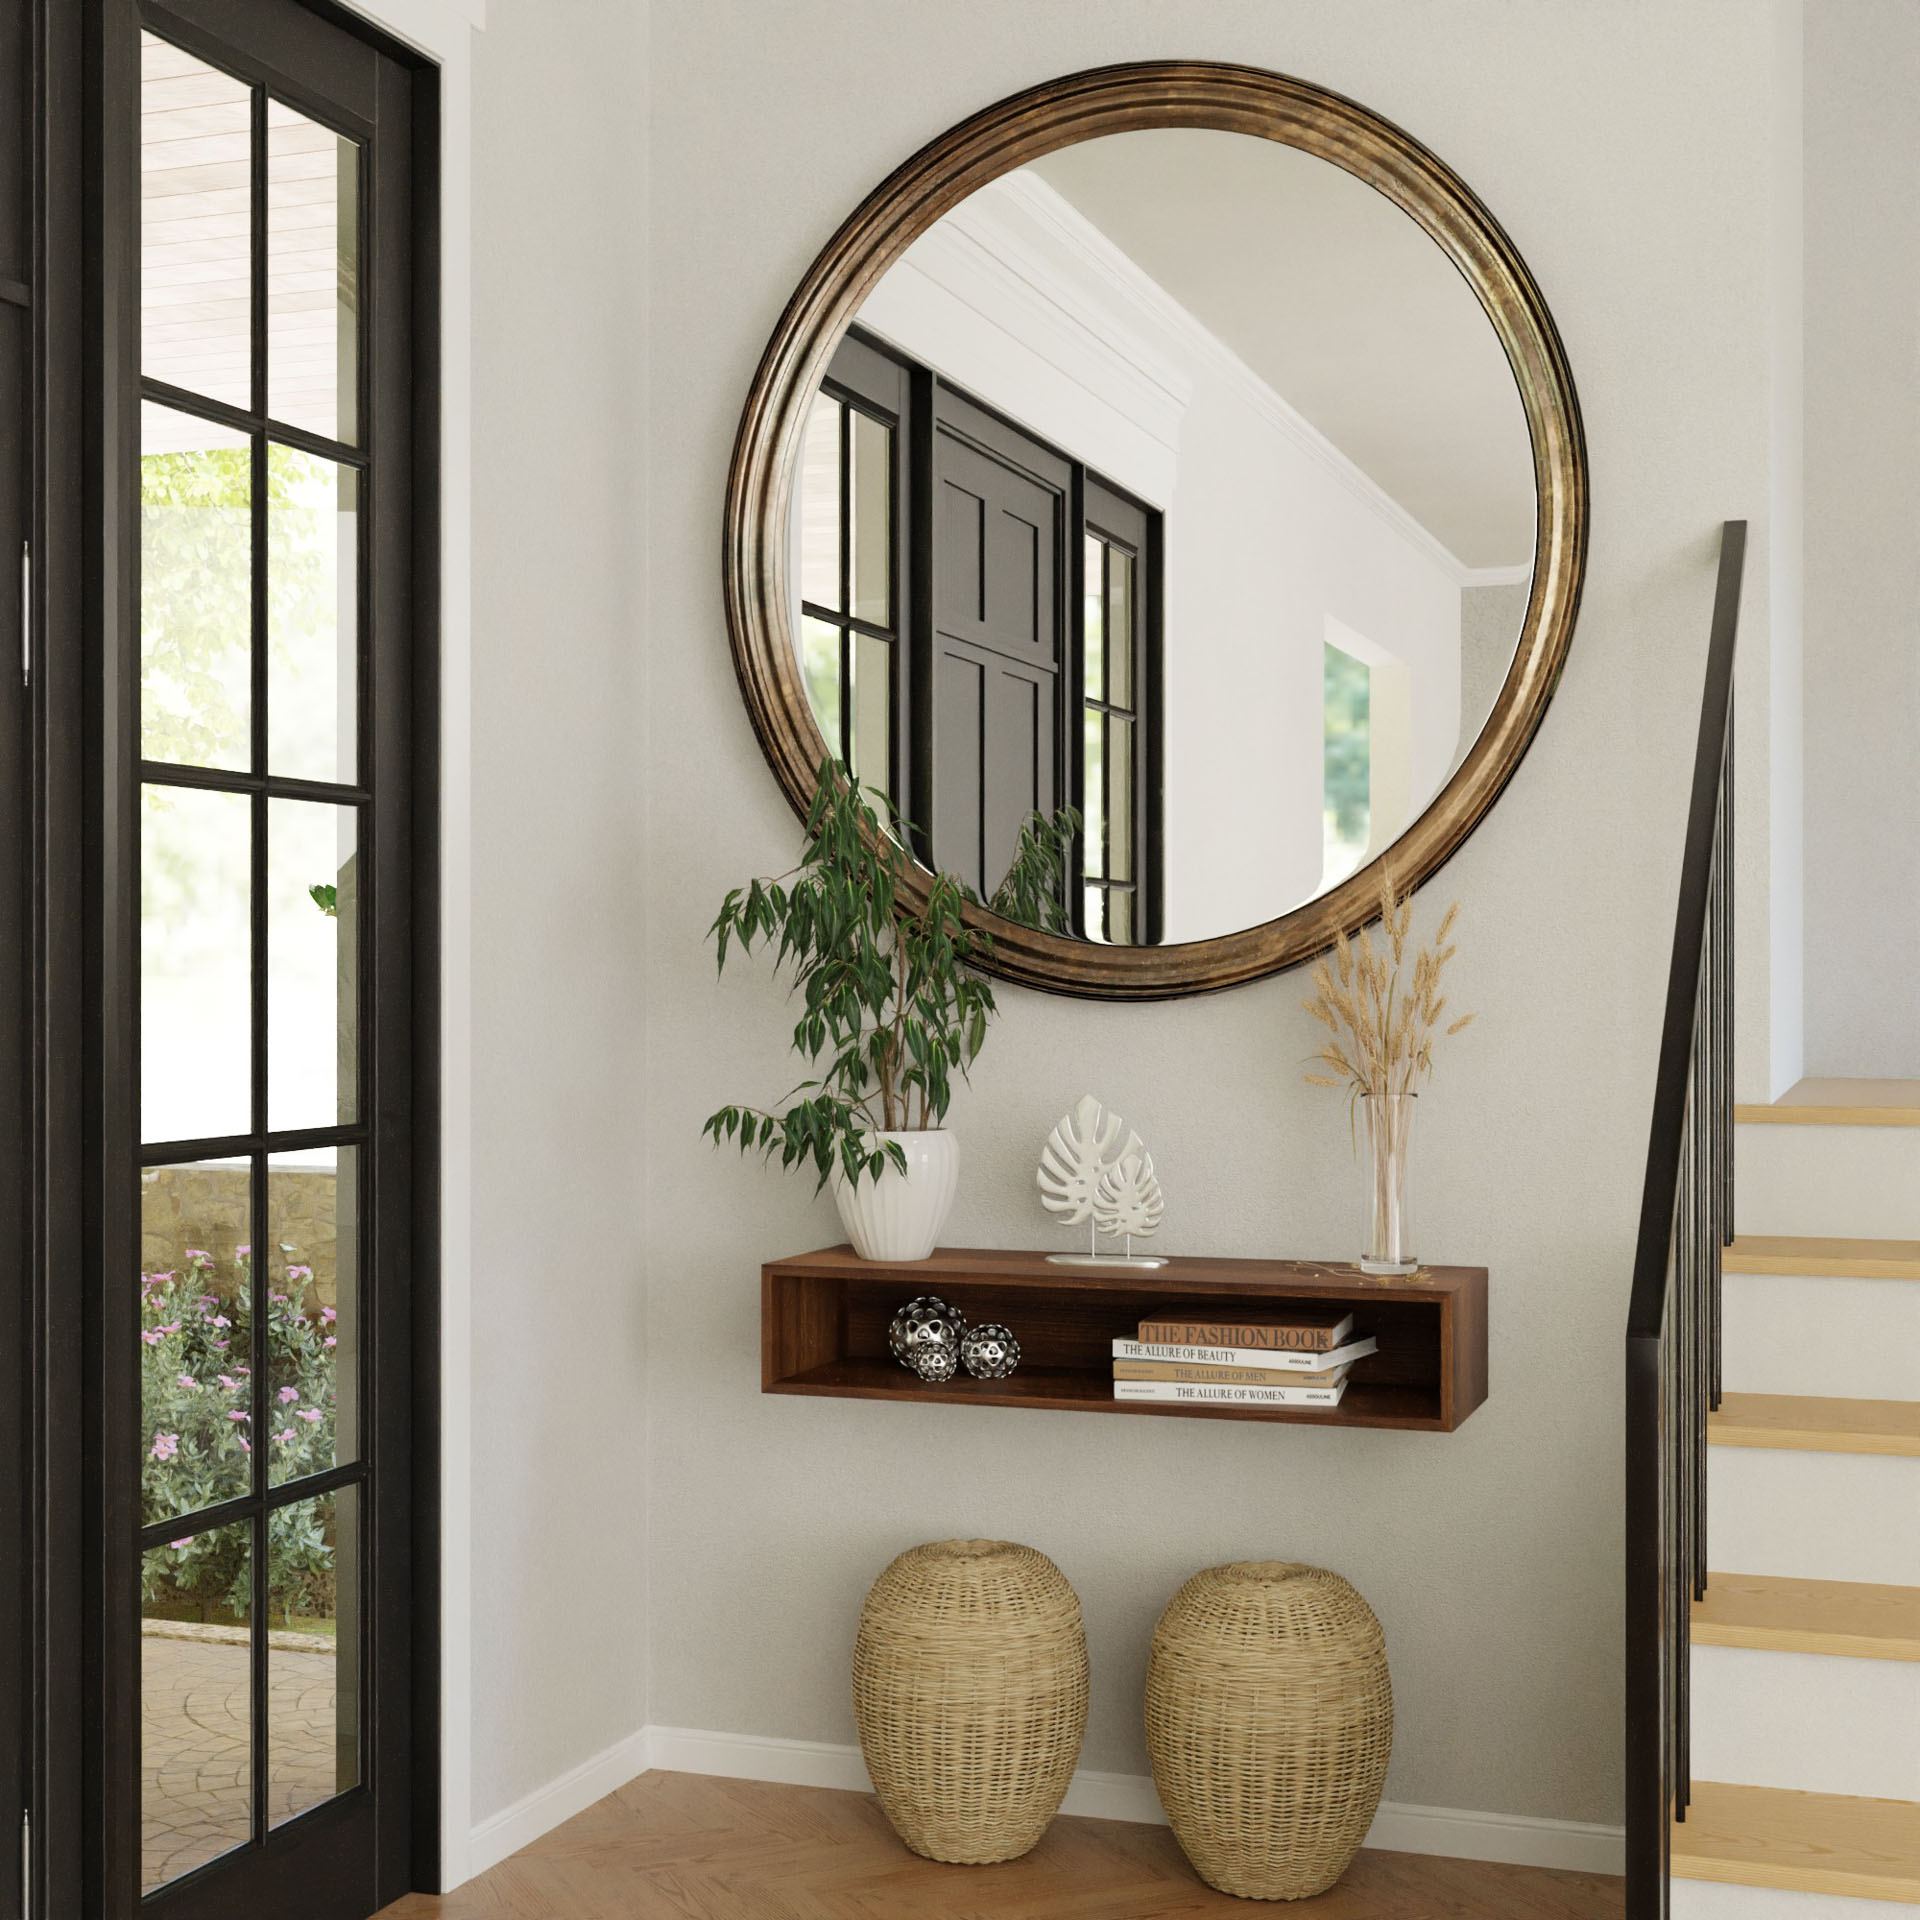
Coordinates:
<point>1179,478</point>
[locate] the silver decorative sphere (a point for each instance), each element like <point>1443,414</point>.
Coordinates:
<point>924,1323</point>
<point>934,1364</point>
<point>989,1352</point>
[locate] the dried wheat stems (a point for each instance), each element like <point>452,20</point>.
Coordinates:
<point>1383,1022</point>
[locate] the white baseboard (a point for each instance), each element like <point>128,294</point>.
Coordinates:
<point>1515,1839</point>
<point>521,1824</point>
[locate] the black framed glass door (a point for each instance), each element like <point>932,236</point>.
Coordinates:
<point>259,1733</point>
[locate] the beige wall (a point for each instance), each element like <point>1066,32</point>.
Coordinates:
<point>1624,147</point>
<point>558,1592</point>
<point>1863,537</point>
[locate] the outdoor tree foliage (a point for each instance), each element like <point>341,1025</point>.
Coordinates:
<point>891,999</point>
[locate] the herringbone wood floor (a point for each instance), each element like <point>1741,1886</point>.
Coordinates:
<point>683,1846</point>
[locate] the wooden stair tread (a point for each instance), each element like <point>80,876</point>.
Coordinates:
<point>1822,1258</point>
<point>1800,1842</point>
<point>1846,1617</point>
<point>1812,1424</point>
<point>1839,1103</point>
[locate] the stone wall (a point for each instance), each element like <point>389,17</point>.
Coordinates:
<point>207,1208</point>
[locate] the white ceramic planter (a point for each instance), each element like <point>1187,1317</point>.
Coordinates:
<point>899,1216</point>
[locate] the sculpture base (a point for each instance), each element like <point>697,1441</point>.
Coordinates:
<point>1106,1259</point>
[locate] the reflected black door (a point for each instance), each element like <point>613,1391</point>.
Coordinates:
<point>999,616</point>
<point>260,1139</point>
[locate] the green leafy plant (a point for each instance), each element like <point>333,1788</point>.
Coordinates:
<point>892,1003</point>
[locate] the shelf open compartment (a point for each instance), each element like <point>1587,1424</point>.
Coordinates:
<point>824,1320</point>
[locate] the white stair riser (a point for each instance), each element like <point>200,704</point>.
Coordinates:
<point>1852,1182</point>
<point>1775,1328</point>
<point>1812,1722</point>
<point>1710,1900</point>
<point>1814,1516</point>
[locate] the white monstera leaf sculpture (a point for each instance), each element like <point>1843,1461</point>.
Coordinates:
<point>1078,1151</point>
<point>1128,1199</point>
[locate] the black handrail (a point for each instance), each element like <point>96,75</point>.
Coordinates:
<point>1673,1321</point>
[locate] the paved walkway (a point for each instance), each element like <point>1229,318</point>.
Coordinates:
<point>195,1740</point>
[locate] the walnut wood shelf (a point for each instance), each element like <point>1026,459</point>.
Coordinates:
<point>824,1318</point>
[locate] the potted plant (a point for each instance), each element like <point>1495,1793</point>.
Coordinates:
<point>892,1008</point>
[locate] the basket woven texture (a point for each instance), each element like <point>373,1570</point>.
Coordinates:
<point>1269,1723</point>
<point>970,1691</point>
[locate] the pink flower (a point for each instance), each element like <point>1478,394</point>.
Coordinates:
<point>283,1436</point>
<point>246,1445</point>
<point>198,1254</point>
<point>328,1315</point>
<point>165,1446</point>
<point>299,1273</point>
<point>242,1252</point>
<point>172,1326</point>
<point>190,1383</point>
<point>230,1383</point>
<point>236,1414</point>
<point>311,1415</point>
<point>279,1299</point>
<point>330,1341</point>
<point>219,1346</point>
<point>218,1320</point>
<point>180,1546</point>
<point>287,1393</point>
<point>152,1339</point>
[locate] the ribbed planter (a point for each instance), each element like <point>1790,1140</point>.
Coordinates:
<point>899,1216</point>
<point>1269,1724</point>
<point>970,1693</point>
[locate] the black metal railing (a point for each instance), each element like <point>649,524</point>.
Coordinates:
<point>1673,1324</point>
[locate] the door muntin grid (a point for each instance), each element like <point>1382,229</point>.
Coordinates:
<point>255,1171</point>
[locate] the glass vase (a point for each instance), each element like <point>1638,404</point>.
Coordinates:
<point>1389,1119</point>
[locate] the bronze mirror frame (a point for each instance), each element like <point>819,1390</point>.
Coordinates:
<point>1082,106</point>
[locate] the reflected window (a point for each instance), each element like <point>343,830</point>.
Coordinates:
<point>1348,817</point>
<point>1113,793</point>
<point>849,529</point>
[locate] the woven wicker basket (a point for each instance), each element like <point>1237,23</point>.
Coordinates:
<point>1269,1722</point>
<point>970,1690</point>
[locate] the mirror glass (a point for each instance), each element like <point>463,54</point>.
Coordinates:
<point>1179,478</point>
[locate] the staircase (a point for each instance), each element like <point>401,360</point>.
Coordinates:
<point>1805,1682</point>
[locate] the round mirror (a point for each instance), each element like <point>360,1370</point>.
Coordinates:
<point>1174,469</point>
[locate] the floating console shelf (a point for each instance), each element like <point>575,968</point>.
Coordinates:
<point>824,1319</point>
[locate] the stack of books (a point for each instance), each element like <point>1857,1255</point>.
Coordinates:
<point>1289,1357</point>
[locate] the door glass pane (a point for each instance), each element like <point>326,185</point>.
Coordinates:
<point>820,665</point>
<point>1119,627</point>
<point>195,1381</point>
<point>1093,805</point>
<point>871,450</point>
<point>312,603</point>
<point>873,714</point>
<point>312,964</point>
<point>196,1720</point>
<point>195,1023</point>
<point>1093,613</point>
<point>196,281</point>
<point>313,1653</point>
<point>313,274</point>
<point>196,590</point>
<point>313,1217</point>
<point>820,505</point>
<point>1119,798</point>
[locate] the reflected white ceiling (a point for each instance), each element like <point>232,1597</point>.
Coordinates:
<point>1340,303</point>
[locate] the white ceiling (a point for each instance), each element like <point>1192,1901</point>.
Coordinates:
<point>195,290</point>
<point>1340,303</point>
